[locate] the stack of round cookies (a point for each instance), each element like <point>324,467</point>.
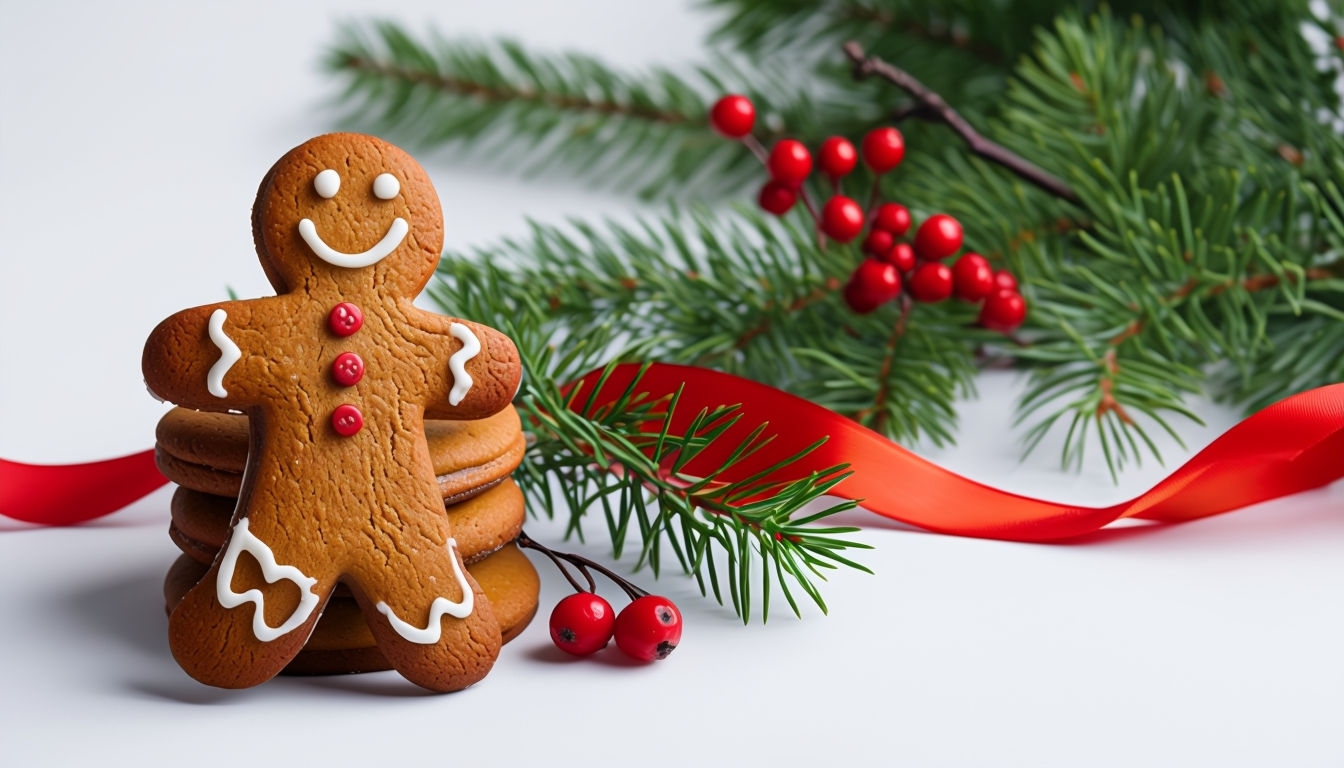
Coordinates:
<point>204,453</point>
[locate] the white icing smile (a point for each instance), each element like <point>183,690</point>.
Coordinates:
<point>395,234</point>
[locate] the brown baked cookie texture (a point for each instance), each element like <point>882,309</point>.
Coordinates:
<point>342,643</point>
<point>481,524</point>
<point>207,451</point>
<point>336,375</point>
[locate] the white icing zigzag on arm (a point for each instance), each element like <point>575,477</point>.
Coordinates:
<point>229,353</point>
<point>243,540</point>
<point>457,363</point>
<point>441,605</point>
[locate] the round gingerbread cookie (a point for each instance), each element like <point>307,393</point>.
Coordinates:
<point>207,451</point>
<point>481,524</point>
<point>341,641</point>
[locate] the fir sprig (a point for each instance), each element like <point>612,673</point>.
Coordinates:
<point>739,293</point>
<point>751,529</point>
<point>565,110</point>
<point>737,537</point>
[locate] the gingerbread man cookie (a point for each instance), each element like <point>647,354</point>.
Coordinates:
<point>337,374</point>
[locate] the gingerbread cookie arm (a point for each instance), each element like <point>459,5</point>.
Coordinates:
<point>205,357</point>
<point>479,372</point>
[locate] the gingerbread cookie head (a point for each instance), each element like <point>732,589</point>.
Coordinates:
<point>348,207</point>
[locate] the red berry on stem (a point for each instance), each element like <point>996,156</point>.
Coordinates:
<point>1004,310</point>
<point>878,243</point>
<point>582,623</point>
<point>931,282</point>
<point>789,162</point>
<point>841,219</point>
<point>883,149</point>
<point>902,256</point>
<point>972,277</point>
<point>1004,279</point>
<point>733,116</point>
<point>837,157</point>
<point>892,217</point>
<point>648,628</point>
<point>938,237</point>
<point>873,284</point>
<point>777,197</point>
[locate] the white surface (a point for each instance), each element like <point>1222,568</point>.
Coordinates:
<point>131,142</point>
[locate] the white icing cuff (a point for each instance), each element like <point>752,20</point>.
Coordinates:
<point>432,631</point>
<point>242,540</point>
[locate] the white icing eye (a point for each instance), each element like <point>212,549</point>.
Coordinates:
<point>327,183</point>
<point>386,186</point>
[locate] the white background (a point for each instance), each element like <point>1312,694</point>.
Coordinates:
<point>132,138</point>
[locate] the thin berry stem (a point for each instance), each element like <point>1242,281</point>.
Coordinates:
<point>933,105</point>
<point>583,564</point>
<point>870,208</point>
<point>812,211</point>
<point>756,147</point>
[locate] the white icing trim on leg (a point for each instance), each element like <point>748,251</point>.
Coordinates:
<point>243,540</point>
<point>441,605</point>
<point>229,353</point>
<point>457,363</point>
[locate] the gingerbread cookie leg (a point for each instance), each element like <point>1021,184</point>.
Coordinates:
<point>248,617</point>
<point>434,624</point>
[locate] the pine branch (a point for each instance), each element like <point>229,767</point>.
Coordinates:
<point>566,110</point>
<point>739,293</point>
<point>736,538</point>
<point>610,460</point>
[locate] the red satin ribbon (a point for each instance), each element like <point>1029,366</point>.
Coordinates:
<point>1294,445</point>
<point>66,494</point>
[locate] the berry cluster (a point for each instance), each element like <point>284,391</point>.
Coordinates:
<point>892,265</point>
<point>648,629</point>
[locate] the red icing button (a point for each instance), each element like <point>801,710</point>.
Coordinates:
<point>348,369</point>
<point>345,319</point>
<point>347,420</point>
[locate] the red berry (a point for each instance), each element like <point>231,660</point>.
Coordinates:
<point>883,149</point>
<point>938,237</point>
<point>841,219</point>
<point>892,217</point>
<point>777,197</point>
<point>902,256</point>
<point>648,628</point>
<point>582,623</point>
<point>878,243</point>
<point>733,116</point>
<point>1004,279</point>
<point>972,277</point>
<point>837,156</point>
<point>789,162</point>
<point>1004,310</point>
<point>931,282</point>
<point>873,284</point>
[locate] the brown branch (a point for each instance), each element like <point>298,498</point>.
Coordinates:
<point>797,305</point>
<point>464,87</point>
<point>1108,403</point>
<point>931,102</point>
<point>884,373</point>
<point>943,33</point>
<point>1249,284</point>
